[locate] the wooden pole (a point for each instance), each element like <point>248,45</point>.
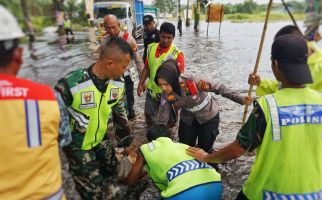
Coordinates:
<point>222,11</point>
<point>187,17</point>
<point>208,14</point>
<point>269,8</point>
<point>291,16</point>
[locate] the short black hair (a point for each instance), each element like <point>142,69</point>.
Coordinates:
<point>168,28</point>
<point>289,29</point>
<point>116,42</point>
<point>157,131</point>
<point>5,53</point>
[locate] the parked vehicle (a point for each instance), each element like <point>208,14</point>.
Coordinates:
<point>151,10</point>
<point>130,14</point>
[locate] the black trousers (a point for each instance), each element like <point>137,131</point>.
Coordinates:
<point>129,87</point>
<point>68,30</point>
<point>241,196</point>
<point>206,133</point>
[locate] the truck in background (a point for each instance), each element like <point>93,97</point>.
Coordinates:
<point>129,13</point>
<point>154,11</point>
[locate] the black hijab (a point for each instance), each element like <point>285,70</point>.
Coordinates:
<point>169,72</point>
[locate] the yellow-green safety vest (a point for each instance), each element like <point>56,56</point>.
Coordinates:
<point>154,63</point>
<point>172,170</point>
<point>67,24</point>
<point>91,109</point>
<point>288,163</point>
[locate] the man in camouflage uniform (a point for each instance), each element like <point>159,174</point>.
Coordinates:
<point>112,28</point>
<point>92,95</point>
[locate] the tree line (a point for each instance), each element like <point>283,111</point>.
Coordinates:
<point>248,6</point>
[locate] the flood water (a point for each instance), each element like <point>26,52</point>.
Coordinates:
<point>228,58</point>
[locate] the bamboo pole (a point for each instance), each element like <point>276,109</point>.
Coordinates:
<point>269,8</point>
<point>187,15</point>
<point>208,18</point>
<point>222,11</point>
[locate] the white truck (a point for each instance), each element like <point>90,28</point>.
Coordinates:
<point>129,13</point>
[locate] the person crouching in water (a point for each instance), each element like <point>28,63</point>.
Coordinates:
<point>178,175</point>
<point>199,117</point>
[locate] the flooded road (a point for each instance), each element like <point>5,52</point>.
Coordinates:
<point>227,58</point>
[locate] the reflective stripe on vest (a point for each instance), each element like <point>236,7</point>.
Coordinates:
<point>310,196</point>
<point>91,109</point>
<point>201,105</point>
<point>154,63</point>
<point>185,166</point>
<point>32,123</point>
<point>276,131</point>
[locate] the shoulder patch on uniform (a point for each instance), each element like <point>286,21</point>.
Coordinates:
<point>151,146</point>
<point>75,77</point>
<point>87,100</point>
<point>114,93</point>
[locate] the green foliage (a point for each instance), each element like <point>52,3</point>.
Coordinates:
<point>166,5</point>
<point>260,17</point>
<point>250,7</point>
<point>76,11</point>
<point>297,7</point>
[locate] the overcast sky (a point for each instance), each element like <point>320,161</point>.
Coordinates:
<point>229,1</point>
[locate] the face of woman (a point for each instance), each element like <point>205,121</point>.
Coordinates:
<point>165,86</point>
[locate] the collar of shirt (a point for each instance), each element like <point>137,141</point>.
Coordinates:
<point>160,50</point>
<point>99,83</point>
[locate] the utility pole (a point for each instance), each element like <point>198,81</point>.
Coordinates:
<point>28,24</point>
<point>187,16</point>
<point>179,8</point>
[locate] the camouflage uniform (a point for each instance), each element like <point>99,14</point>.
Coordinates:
<point>90,168</point>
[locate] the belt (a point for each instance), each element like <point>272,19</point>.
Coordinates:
<point>201,105</point>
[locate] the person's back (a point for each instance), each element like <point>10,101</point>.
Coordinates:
<point>170,174</point>
<point>292,146</point>
<point>170,167</point>
<point>29,140</point>
<point>288,161</point>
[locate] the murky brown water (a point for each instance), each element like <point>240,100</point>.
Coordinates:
<point>228,59</point>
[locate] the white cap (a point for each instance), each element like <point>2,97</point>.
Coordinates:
<point>9,26</point>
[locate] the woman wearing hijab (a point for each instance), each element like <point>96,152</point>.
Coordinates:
<point>199,116</point>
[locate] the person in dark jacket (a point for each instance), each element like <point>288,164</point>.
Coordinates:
<point>151,33</point>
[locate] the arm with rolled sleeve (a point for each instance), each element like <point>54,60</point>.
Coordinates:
<point>120,121</point>
<point>137,57</point>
